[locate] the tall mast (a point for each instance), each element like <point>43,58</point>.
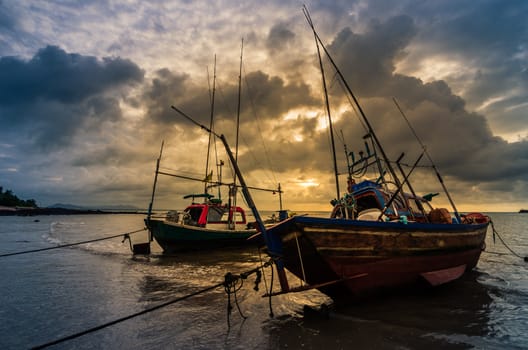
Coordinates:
<point>238,106</point>
<point>238,116</point>
<point>349,90</point>
<point>233,190</point>
<point>149,214</point>
<point>331,128</point>
<point>210,126</point>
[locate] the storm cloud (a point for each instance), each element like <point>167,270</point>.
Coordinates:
<point>55,93</point>
<point>85,100</point>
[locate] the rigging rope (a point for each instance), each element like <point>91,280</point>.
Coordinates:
<point>229,285</point>
<point>253,109</point>
<point>504,243</point>
<point>124,235</point>
<point>262,265</point>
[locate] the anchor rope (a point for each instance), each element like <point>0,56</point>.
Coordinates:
<point>125,236</point>
<point>495,233</point>
<point>230,287</point>
<point>269,294</point>
<point>265,283</point>
<point>227,283</point>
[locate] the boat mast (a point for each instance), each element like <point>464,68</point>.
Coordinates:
<point>149,213</point>
<point>210,127</point>
<point>331,128</point>
<point>238,105</point>
<point>233,190</point>
<point>349,90</point>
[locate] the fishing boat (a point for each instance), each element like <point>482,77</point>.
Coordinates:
<point>362,255</point>
<point>378,237</point>
<point>207,223</point>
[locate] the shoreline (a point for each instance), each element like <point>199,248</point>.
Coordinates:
<point>61,211</point>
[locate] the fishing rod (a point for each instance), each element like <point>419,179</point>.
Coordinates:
<point>349,90</point>
<point>274,245</point>
<point>430,160</point>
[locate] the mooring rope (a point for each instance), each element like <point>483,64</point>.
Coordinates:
<point>259,275</point>
<point>124,235</point>
<point>504,243</point>
<point>230,287</point>
<point>111,323</point>
<point>229,281</point>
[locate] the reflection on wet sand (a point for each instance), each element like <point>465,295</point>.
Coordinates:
<point>453,316</point>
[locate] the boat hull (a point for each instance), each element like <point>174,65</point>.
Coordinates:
<point>366,256</point>
<point>176,237</point>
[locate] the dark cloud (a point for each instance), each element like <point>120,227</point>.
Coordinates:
<point>53,74</point>
<point>368,60</point>
<point>265,97</point>
<point>55,97</point>
<point>484,31</point>
<point>8,22</point>
<point>460,140</point>
<point>47,99</point>
<point>168,89</point>
<point>279,37</point>
<point>272,96</point>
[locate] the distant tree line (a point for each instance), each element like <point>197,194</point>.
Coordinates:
<point>8,199</point>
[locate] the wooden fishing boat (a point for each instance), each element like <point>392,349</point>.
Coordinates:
<point>206,225</point>
<point>356,257</point>
<point>377,237</point>
<point>209,224</point>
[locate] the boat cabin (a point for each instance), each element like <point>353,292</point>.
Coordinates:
<point>207,215</point>
<point>370,195</point>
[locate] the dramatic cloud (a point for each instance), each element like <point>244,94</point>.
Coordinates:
<point>55,94</point>
<point>86,91</point>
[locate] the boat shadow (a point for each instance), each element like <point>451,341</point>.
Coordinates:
<point>453,316</point>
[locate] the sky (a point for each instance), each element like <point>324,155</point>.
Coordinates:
<point>86,89</point>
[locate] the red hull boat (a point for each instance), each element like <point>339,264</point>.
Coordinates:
<point>355,257</point>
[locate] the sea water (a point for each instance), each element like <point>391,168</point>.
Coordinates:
<point>48,295</point>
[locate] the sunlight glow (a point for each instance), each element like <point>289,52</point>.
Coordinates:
<point>435,68</point>
<point>298,138</point>
<point>293,114</point>
<point>308,183</point>
<point>490,101</point>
